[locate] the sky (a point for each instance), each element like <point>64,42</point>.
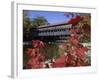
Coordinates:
<point>51,17</point>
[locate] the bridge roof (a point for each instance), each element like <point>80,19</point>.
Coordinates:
<point>53,25</point>
<point>72,22</point>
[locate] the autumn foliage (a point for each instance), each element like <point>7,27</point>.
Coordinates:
<point>73,57</point>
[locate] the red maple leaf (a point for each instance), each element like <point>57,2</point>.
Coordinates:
<point>75,20</point>
<point>60,62</point>
<point>38,43</point>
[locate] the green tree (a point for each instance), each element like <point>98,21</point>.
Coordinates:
<point>26,25</point>
<point>26,20</point>
<point>39,21</point>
